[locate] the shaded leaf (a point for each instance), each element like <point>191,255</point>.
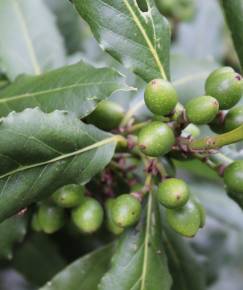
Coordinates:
<point>69,23</point>
<point>33,255</point>
<point>40,152</point>
<point>12,231</point>
<point>77,88</point>
<point>139,40</point>
<point>186,271</point>
<point>85,273</point>
<point>30,42</point>
<point>234,15</point>
<point>140,261</point>
<point>218,205</point>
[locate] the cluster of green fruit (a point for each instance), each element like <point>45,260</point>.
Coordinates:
<point>87,213</point>
<point>224,88</point>
<point>156,138</point>
<point>184,213</point>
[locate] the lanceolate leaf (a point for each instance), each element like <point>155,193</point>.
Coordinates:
<point>40,152</point>
<point>12,231</point>
<point>77,88</point>
<point>29,42</point>
<point>234,15</point>
<point>140,261</point>
<point>83,274</point>
<point>140,40</point>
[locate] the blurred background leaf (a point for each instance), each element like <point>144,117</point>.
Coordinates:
<point>30,42</point>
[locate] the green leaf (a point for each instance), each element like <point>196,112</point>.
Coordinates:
<point>69,23</point>
<point>186,271</point>
<point>85,273</point>
<point>30,42</point>
<point>139,40</point>
<point>40,152</point>
<point>34,254</point>
<point>77,88</point>
<point>218,205</point>
<point>140,260</point>
<point>11,231</point>
<point>234,15</point>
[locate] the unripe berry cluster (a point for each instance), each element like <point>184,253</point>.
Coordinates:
<point>87,213</point>
<point>155,144</point>
<point>184,213</point>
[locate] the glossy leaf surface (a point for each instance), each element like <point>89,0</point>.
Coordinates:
<point>76,88</point>
<point>40,152</point>
<point>139,40</point>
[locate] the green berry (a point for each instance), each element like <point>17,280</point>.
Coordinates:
<point>237,197</point>
<point>69,196</point>
<point>202,211</point>
<point>234,118</point>
<point>202,110</point>
<point>156,139</point>
<point>218,71</point>
<point>35,225</point>
<point>186,220</point>
<point>226,87</point>
<point>88,217</point>
<point>233,177</point>
<point>113,227</point>
<point>51,218</point>
<point>126,210</point>
<point>166,7</point>
<point>191,130</point>
<point>107,115</point>
<point>173,193</point>
<point>217,125</point>
<point>160,97</point>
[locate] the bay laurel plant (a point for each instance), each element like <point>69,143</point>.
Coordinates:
<point>97,152</point>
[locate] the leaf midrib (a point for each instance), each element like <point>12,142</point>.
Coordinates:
<point>151,48</point>
<point>27,38</point>
<point>146,38</point>
<point>51,91</point>
<point>103,142</point>
<point>146,243</point>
